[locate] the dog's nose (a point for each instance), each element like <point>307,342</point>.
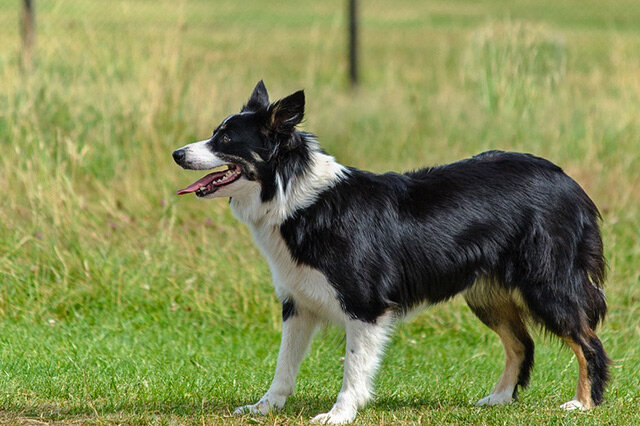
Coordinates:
<point>178,156</point>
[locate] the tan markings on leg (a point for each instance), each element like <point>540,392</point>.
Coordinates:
<point>497,308</point>
<point>514,353</point>
<point>583,390</point>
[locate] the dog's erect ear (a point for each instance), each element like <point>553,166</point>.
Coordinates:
<point>259,99</point>
<point>287,113</point>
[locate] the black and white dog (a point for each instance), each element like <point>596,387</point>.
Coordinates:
<point>511,232</point>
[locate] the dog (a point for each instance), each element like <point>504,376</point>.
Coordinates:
<point>511,232</point>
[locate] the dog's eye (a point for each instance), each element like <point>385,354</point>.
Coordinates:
<point>226,139</point>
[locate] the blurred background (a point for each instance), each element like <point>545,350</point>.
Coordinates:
<point>111,287</point>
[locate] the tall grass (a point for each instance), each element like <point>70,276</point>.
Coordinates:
<point>515,64</point>
<point>119,302</point>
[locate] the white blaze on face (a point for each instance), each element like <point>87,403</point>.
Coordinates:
<point>198,156</point>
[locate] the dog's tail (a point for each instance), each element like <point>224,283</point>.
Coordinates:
<point>593,273</point>
<point>593,267</point>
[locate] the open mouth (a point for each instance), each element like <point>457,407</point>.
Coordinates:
<point>211,182</point>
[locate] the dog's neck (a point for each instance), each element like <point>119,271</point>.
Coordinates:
<point>300,191</point>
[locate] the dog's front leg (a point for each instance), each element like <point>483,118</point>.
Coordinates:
<point>298,327</point>
<point>365,344</point>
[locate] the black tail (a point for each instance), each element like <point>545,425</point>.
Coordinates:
<point>595,306</point>
<point>593,265</point>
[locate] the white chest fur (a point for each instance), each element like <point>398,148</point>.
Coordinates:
<point>307,287</point>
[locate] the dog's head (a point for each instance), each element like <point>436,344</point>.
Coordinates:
<point>247,149</point>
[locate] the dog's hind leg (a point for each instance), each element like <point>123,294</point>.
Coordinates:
<point>592,372</point>
<point>298,327</point>
<point>582,400</point>
<point>499,311</point>
<point>567,316</point>
<point>365,344</point>
<point>593,363</point>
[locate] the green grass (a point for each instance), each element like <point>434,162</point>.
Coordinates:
<point>121,303</point>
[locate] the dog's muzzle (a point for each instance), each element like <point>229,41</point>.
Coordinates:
<point>179,156</point>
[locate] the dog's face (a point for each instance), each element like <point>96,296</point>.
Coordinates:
<point>245,147</point>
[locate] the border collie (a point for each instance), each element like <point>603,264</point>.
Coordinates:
<point>512,233</point>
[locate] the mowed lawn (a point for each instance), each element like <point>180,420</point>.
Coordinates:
<point>122,303</point>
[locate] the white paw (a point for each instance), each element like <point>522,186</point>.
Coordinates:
<point>261,408</point>
<point>496,399</point>
<point>271,401</point>
<point>335,416</point>
<point>573,405</point>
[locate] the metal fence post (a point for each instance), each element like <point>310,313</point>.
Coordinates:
<point>353,42</point>
<point>28,25</point>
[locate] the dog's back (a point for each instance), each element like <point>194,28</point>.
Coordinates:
<point>400,240</point>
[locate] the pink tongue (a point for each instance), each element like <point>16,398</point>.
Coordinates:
<point>199,183</point>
